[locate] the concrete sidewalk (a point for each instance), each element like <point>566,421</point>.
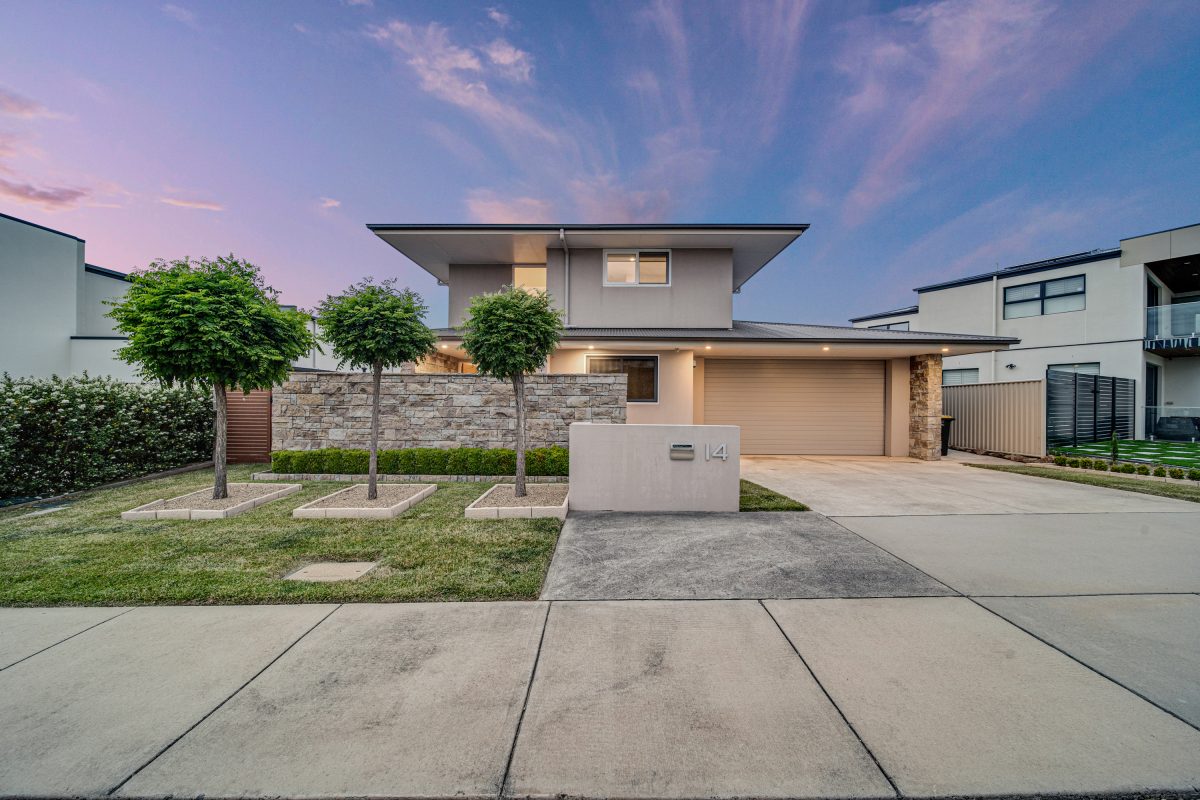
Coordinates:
<point>916,696</point>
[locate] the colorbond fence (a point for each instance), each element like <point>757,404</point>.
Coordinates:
<point>1008,417</point>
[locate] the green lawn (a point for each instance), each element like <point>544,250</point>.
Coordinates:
<point>760,498</point>
<point>1180,454</point>
<point>1179,490</point>
<point>86,554</point>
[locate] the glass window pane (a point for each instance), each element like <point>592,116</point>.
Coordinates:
<point>1087,368</point>
<point>1019,310</point>
<point>621,268</point>
<point>530,278</point>
<point>642,372</point>
<point>957,377</point>
<point>1064,286</point>
<point>1029,291</point>
<point>1070,302</point>
<point>653,268</point>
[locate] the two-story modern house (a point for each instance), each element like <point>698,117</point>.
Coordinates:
<point>1131,312</point>
<point>655,302</point>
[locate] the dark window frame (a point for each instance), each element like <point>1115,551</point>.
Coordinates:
<point>1042,298</point>
<point>637,356</point>
<point>892,326</point>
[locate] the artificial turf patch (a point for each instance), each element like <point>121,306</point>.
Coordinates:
<point>1181,454</point>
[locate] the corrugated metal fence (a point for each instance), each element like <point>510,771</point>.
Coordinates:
<point>1008,417</point>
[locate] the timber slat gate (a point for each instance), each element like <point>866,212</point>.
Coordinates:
<point>1087,408</point>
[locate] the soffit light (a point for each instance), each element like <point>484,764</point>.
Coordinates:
<point>826,347</point>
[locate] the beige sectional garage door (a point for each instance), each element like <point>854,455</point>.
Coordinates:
<point>798,407</point>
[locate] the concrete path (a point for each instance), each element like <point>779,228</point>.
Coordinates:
<point>871,487</point>
<point>922,697</point>
<point>722,556</point>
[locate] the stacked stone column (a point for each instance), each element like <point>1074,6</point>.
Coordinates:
<point>925,407</point>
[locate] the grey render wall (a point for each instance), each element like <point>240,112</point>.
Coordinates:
<point>38,274</point>
<point>700,294</point>
<point>327,409</point>
<point>468,280</point>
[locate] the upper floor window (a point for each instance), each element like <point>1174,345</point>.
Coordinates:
<point>1086,368</point>
<point>637,267</point>
<point>530,278</point>
<point>1045,297</point>
<point>891,326</point>
<point>957,377</point>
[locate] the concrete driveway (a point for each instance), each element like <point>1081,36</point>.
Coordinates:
<point>842,486</point>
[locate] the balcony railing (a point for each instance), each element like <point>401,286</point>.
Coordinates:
<point>1173,423</point>
<point>1178,321</point>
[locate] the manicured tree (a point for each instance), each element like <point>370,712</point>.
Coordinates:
<point>213,323</point>
<point>375,326</point>
<point>508,335</point>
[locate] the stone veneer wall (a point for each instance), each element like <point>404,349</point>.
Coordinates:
<point>925,407</point>
<point>333,409</point>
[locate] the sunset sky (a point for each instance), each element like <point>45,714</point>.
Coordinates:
<point>921,141</point>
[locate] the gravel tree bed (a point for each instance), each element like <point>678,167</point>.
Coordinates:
<point>536,494</point>
<point>203,499</point>
<point>356,496</point>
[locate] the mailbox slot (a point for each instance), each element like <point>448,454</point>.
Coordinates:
<point>683,452</point>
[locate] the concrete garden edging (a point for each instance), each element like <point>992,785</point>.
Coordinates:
<point>362,478</point>
<point>474,511</point>
<point>309,511</point>
<point>154,510</point>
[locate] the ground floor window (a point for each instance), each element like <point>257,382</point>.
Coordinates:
<point>1086,368</point>
<point>642,372</point>
<point>957,377</point>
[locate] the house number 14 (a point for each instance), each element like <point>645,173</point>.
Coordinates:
<point>712,451</point>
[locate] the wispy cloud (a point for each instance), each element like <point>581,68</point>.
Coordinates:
<point>51,198</point>
<point>773,31</point>
<point>180,14</point>
<point>484,205</point>
<point>456,75</point>
<point>511,62</point>
<point>199,205</point>
<point>16,105</point>
<point>926,75</point>
<point>360,3</point>
<point>329,202</point>
<point>500,17</point>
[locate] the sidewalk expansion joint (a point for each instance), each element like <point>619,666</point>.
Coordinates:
<point>219,705</point>
<point>832,702</point>
<point>512,751</point>
<point>67,639</point>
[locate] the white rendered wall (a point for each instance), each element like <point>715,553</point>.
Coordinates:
<point>629,468</point>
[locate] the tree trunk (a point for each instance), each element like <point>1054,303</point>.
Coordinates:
<point>372,478</point>
<point>519,391</point>
<point>220,480</point>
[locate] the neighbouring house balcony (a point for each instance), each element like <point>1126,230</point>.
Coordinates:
<point>1174,330</point>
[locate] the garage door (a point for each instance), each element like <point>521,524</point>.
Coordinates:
<point>798,407</point>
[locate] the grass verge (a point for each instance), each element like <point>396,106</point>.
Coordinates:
<point>86,555</point>
<point>760,498</point>
<point>1174,489</point>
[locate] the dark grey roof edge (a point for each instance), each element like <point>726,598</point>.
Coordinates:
<point>40,227</point>
<point>555,227</point>
<point>744,331</point>
<point>1156,233</point>
<point>108,273</point>
<point>892,313</point>
<point>1025,269</point>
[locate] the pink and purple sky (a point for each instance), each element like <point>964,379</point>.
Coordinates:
<point>922,141</point>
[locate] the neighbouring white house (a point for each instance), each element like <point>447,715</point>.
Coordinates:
<point>52,308</point>
<point>1132,311</point>
<point>655,303</point>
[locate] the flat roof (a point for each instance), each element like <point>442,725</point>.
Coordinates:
<point>108,273</point>
<point>1024,269</point>
<point>39,227</point>
<point>435,247</point>
<point>893,313</point>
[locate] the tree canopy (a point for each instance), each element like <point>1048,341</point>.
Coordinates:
<point>511,332</point>
<point>374,324</point>
<point>206,321</point>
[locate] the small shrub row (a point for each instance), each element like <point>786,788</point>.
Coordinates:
<point>64,434</point>
<point>1100,465</point>
<point>539,461</point>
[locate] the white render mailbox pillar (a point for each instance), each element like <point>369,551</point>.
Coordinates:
<point>654,467</point>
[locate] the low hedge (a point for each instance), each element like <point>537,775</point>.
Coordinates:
<point>64,434</point>
<point>539,461</point>
<point>1126,468</point>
